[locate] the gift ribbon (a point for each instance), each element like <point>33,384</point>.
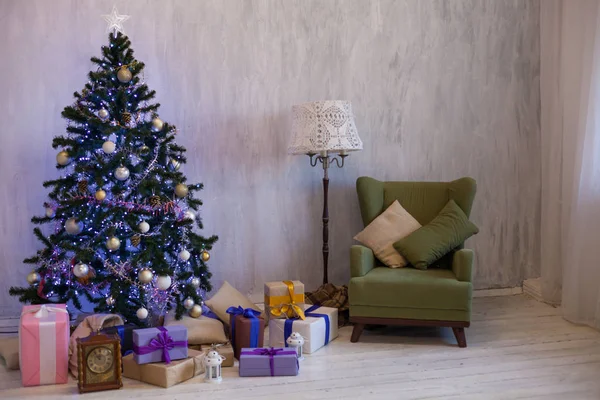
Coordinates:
<point>254,323</point>
<point>271,352</point>
<point>287,328</point>
<point>289,307</point>
<point>163,341</point>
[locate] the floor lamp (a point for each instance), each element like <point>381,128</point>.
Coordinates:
<point>326,132</point>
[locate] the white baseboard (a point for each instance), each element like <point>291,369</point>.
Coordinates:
<point>533,288</point>
<point>498,292</point>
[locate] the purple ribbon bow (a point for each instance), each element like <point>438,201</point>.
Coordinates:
<point>163,341</point>
<point>271,352</point>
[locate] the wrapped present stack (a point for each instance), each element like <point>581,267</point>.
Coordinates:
<point>163,374</point>
<point>246,327</point>
<point>44,345</point>
<point>160,344</point>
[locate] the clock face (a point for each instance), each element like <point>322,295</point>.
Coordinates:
<point>100,359</point>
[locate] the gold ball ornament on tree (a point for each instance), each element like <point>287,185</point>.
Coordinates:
<point>145,276</point>
<point>113,243</point>
<point>157,124</point>
<point>124,75</point>
<point>144,227</point>
<point>144,149</point>
<point>142,313</point>
<point>163,282</point>
<point>188,303</point>
<point>174,165</point>
<point>109,147</point>
<point>122,173</point>
<point>100,195</point>
<point>33,278</point>
<point>62,158</point>
<point>181,190</point>
<point>73,226</point>
<point>103,114</point>
<point>196,311</point>
<point>205,255</point>
<point>81,270</point>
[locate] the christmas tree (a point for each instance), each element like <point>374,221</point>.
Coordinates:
<point>122,214</point>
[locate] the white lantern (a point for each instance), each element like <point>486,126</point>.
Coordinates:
<point>212,362</point>
<point>296,341</point>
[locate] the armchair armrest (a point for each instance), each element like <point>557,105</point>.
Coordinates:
<point>462,265</point>
<point>362,260</point>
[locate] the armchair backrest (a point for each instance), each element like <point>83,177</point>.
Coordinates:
<point>423,200</point>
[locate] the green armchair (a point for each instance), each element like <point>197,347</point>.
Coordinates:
<point>438,296</point>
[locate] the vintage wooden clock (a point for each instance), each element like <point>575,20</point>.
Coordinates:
<point>99,359</point>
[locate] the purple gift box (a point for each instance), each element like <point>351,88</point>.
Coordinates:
<point>268,362</point>
<point>161,344</point>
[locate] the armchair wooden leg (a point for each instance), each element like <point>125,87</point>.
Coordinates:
<point>459,334</point>
<point>356,332</point>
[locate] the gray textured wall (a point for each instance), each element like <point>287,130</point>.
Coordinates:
<point>441,89</point>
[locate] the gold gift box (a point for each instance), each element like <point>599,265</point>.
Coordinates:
<point>165,375</point>
<point>278,293</point>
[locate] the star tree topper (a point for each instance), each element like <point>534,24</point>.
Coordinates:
<point>115,21</point>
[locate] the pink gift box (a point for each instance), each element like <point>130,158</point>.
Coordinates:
<point>44,344</point>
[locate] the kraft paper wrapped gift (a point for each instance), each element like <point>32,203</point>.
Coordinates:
<point>226,350</point>
<point>160,344</point>
<point>125,333</point>
<point>283,299</point>
<point>165,375</point>
<point>44,345</point>
<point>268,362</point>
<point>318,329</point>
<point>246,328</point>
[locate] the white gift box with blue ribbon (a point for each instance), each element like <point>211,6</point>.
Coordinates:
<point>318,329</point>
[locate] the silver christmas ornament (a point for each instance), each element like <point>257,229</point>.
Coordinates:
<point>124,74</point>
<point>184,255</point>
<point>142,313</point>
<point>195,282</point>
<point>195,311</point>
<point>73,226</point>
<point>109,147</point>
<point>144,227</point>
<point>157,124</point>
<point>122,173</point>
<point>188,303</point>
<point>174,165</point>
<point>113,243</point>
<point>163,282</point>
<point>189,214</point>
<point>103,113</point>
<point>110,301</point>
<point>145,276</point>
<point>63,158</point>
<point>33,278</point>
<point>81,270</point>
<point>50,212</point>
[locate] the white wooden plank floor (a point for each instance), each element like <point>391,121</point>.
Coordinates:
<point>518,349</point>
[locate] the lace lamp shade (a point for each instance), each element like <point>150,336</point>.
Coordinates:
<point>324,126</point>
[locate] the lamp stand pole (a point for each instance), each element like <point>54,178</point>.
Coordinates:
<point>326,160</point>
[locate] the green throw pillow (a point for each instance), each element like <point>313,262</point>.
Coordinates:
<point>447,230</point>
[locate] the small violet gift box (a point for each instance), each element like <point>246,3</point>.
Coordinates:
<point>125,333</point>
<point>160,344</point>
<point>319,327</point>
<point>246,328</point>
<point>268,362</point>
<point>44,345</point>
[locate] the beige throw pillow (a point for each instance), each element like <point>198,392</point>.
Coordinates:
<point>226,297</point>
<point>380,235</point>
<point>201,330</point>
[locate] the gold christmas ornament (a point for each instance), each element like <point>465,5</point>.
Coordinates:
<point>113,243</point>
<point>81,270</point>
<point>62,158</point>
<point>144,149</point>
<point>109,147</point>
<point>122,173</point>
<point>33,278</point>
<point>157,124</point>
<point>155,201</point>
<point>124,74</point>
<point>145,276</point>
<point>196,311</point>
<point>136,240</point>
<point>100,195</point>
<point>181,190</point>
<point>205,255</point>
<point>126,117</point>
<point>82,187</point>
<point>103,113</point>
<point>73,226</point>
